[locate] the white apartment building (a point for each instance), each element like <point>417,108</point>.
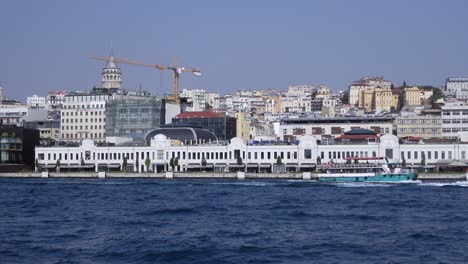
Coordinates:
<point>295,128</point>
<point>13,114</point>
<point>457,86</point>
<point>55,100</point>
<point>299,90</point>
<point>83,117</point>
<point>36,101</point>
<point>323,92</point>
<point>213,100</point>
<point>454,119</point>
<point>296,104</point>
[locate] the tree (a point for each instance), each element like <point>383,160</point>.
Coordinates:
<point>57,165</point>
<point>203,162</point>
<point>423,159</point>
<point>137,164</point>
<point>319,160</point>
<point>124,164</point>
<point>174,162</point>
<point>279,162</point>
<point>403,163</point>
<point>404,84</point>
<point>348,161</point>
<point>356,161</point>
<point>82,162</point>
<point>36,165</point>
<point>436,94</point>
<point>392,86</point>
<point>239,160</point>
<point>171,163</point>
<point>345,97</point>
<point>147,164</point>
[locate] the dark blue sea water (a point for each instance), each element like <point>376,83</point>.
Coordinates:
<point>202,221</point>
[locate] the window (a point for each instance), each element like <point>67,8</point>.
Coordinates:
<point>307,153</point>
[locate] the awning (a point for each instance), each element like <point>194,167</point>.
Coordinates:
<point>457,164</point>
<point>75,166</point>
<point>265,165</point>
<point>292,165</point>
<point>307,165</point>
<point>252,165</point>
<point>194,166</point>
<point>234,165</point>
<point>220,165</point>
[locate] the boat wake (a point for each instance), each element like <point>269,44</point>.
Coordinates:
<point>442,184</point>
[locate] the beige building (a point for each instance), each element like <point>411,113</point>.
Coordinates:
<point>416,96</point>
<point>242,126</point>
<point>414,122</point>
<point>384,100</point>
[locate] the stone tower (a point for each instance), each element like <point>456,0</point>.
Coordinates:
<point>111,75</point>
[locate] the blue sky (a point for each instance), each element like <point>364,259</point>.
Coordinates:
<point>45,45</point>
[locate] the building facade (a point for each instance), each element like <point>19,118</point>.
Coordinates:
<point>223,126</point>
<point>36,101</point>
<point>299,156</point>
<point>133,116</point>
<point>295,128</point>
<point>454,119</point>
<point>83,116</point>
<point>456,85</point>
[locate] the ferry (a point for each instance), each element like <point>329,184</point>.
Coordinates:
<point>365,170</point>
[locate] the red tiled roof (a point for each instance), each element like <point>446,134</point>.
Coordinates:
<point>200,114</point>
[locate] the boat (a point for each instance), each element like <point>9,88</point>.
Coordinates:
<point>365,170</point>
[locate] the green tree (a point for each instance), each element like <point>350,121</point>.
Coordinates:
<point>279,162</point>
<point>345,97</point>
<point>57,165</point>
<point>203,162</point>
<point>137,164</point>
<point>423,159</point>
<point>356,161</point>
<point>124,164</point>
<point>404,84</point>
<point>239,160</point>
<point>147,164</point>
<point>319,160</point>
<point>171,163</point>
<point>82,162</point>
<point>436,95</point>
<point>403,163</point>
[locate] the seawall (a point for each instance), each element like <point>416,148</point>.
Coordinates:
<point>211,175</point>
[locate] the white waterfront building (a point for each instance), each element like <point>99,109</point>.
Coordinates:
<point>256,158</point>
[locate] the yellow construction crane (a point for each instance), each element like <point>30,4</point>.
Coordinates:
<point>176,70</point>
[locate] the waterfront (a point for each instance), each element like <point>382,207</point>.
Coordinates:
<point>230,221</point>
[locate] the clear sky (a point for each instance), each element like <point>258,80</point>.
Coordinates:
<point>45,45</point>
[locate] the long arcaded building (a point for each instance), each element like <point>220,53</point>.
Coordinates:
<point>198,154</point>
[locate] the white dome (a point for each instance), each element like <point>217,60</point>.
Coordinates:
<point>160,137</point>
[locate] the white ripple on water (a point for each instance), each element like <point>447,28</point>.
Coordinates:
<point>441,184</point>
<point>244,183</point>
